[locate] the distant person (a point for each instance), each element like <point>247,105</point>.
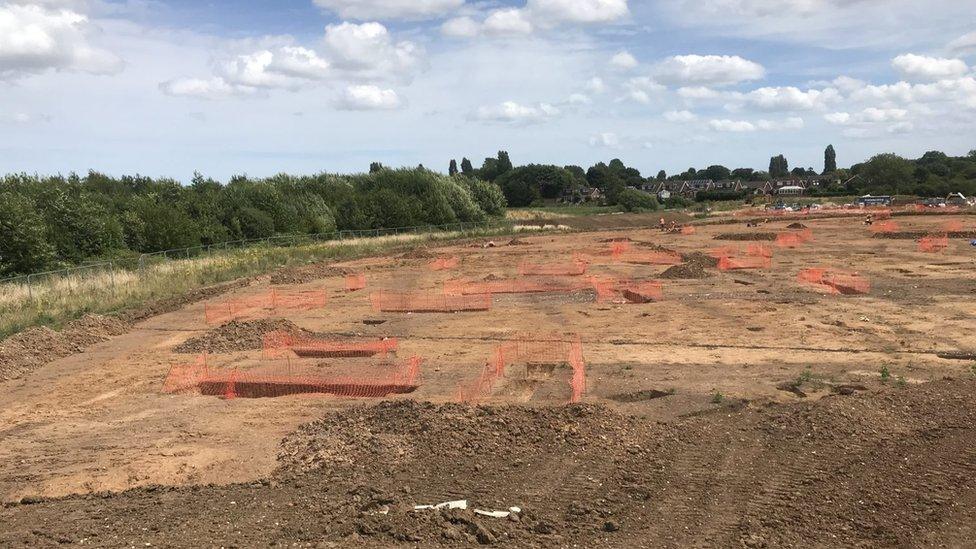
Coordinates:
<point>661,224</point>
<point>869,220</point>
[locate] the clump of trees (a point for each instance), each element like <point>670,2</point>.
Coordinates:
<point>48,222</point>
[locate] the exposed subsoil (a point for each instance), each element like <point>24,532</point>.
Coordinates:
<point>796,226</point>
<point>891,468</point>
<point>34,347</point>
<point>236,335</point>
<point>307,273</point>
<point>743,237</point>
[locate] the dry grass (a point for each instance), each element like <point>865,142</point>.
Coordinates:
<point>57,299</point>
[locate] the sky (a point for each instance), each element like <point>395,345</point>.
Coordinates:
<point>165,88</point>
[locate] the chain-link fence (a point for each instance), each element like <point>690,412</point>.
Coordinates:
<point>108,273</point>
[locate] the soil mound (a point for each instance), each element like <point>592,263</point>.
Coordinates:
<point>891,468</point>
<point>796,226</point>
<point>308,273</point>
<point>693,267</point>
<point>236,335</point>
<point>744,237</point>
<point>35,347</point>
<point>915,235</point>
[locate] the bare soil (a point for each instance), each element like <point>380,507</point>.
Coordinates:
<point>743,409</point>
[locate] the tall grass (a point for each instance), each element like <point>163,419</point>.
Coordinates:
<point>57,299</point>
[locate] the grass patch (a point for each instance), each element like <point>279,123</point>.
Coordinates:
<point>59,299</point>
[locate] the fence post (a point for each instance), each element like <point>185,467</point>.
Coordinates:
<point>111,274</point>
<point>30,290</point>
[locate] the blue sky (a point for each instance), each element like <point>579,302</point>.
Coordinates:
<point>167,87</point>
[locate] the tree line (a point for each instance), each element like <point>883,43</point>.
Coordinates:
<point>50,222</point>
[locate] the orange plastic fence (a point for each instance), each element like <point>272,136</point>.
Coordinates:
<point>885,227</point>
<point>933,243</point>
<point>529,351</point>
<point>428,302</point>
<point>616,290</point>
<point>573,268</point>
<point>513,286</point>
<point>651,257</point>
<point>688,230</point>
<point>835,281</point>
<point>726,263</point>
<point>285,377</point>
<point>281,344</point>
<point>794,239</point>
<point>355,282</point>
<point>444,263</point>
<point>952,226</point>
<point>275,300</point>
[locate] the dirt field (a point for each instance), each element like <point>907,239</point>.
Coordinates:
<point>744,408</point>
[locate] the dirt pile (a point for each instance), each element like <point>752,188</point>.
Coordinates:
<point>796,226</point>
<point>747,237</point>
<point>35,347</point>
<point>915,235</point>
<point>893,468</point>
<point>307,273</point>
<point>236,335</point>
<point>693,267</point>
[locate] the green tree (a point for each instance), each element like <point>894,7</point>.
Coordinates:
<point>466,167</point>
<point>662,175</point>
<point>778,167</point>
<point>488,196</point>
<point>716,173</point>
<point>375,167</point>
<point>632,200</point>
<point>830,160</point>
<point>23,241</point>
<point>888,173</point>
<point>545,180</point>
<point>452,169</point>
<point>605,179</point>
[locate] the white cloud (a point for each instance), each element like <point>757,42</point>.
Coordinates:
<point>870,115</point>
<point>744,126</point>
<point>578,11</point>
<point>919,67</point>
<point>368,98</point>
<point>21,118</point>
<point>507,22</point>
<point>200,88</point>
<point>680,116</point>
<point>838,118</point>
<point>623,60</point>
<point>641,89</point>
<point>790,98</point>
<point>285,67</point>
<point>732,126</point>
<point>367,51</point>
<point>461,27</point>
<point>964,45</point>
<point>707,70</point>
<point>596,85</point>
<point>605,139</point>
<point>390,9</point>
<point>510,112</point>
<point>698,93</point>
<point>579,99</point>
<point>35,39</point>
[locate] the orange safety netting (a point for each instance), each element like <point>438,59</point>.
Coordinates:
<point>953,226</point>
<point>285,377</point>
<point>885,227</point>
<point>513,286</point>
<point>616,290</point>
<point>573,268</point>
<point>536,353</point>
<point>795,239</point>
<point>275,300</point>
<point>727,263</point>
<point>418,302</point>
<point>281,343</point>
<point>933,243</point>
<point>688,230</point>
<point>355,282</point>
<point>444,263</point>
<point>835,281</point>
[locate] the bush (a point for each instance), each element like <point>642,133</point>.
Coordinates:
<point>632,200</point>
<point>488,196</point>
<point>677,201</point>
<point>526,184</point>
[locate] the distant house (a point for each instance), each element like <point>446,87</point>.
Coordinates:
<point>582,195</point>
